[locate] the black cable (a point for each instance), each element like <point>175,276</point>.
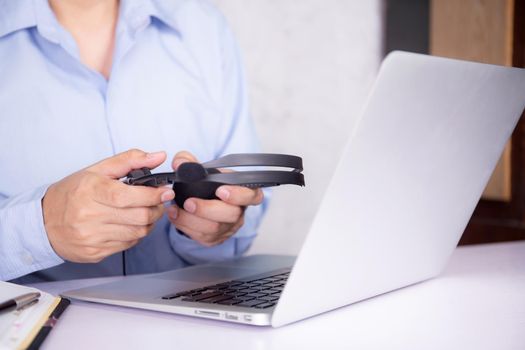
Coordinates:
<point>124,263</point>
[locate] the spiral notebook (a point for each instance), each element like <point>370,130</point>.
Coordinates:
<point>27,328</point>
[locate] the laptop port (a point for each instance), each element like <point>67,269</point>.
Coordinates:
<point>207,313</point>
<point>231,317</point>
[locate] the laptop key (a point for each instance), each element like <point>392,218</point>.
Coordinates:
<point>258,288</point>
<point>217,299</point>
<point>263,280</point>
<point>256,295</point>
<point>255,283</point>
<point>273,291</point>
<point>239,287</point>
<point>250,290</point>
<point>251,303</point>
<point>205,296</point>
<point>274,279</point>
<point>230,302</point>
<point>264,306</point>
<point>171,296</point>
<point>251,280</point>
<point>234,284</point>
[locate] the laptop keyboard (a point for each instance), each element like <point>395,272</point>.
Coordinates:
<point>254,292</point>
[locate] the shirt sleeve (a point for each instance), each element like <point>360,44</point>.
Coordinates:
<point>237,136</point>
<point>24,246</point>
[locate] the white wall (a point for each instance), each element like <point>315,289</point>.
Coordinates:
<point>310,65</point>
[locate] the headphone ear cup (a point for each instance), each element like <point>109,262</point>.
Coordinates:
<point>191,172</point>
<point>200,189</point>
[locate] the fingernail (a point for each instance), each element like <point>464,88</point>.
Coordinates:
<point>173,212</point>
<point>154,154</point>
<point>190,206</point>
<point>223,193</point>
<point>167,196</point>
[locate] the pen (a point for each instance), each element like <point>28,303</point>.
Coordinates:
<point>19,301</point>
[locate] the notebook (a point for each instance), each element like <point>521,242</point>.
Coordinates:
<point>27,328</point>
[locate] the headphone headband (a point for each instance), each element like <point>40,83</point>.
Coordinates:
<point>257,159</point>
<point>202,180</point>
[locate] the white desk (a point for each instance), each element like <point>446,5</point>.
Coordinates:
<point>477,303</point>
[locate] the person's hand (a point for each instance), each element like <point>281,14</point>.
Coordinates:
<point>90,215</point>
<point>211,222</point>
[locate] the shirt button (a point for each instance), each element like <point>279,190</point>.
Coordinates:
<point>27,258</point>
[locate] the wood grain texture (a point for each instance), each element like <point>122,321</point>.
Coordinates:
<point>477,30</point>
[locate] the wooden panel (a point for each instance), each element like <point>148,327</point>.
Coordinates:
<point>477,30</point>
<point>499,186</point>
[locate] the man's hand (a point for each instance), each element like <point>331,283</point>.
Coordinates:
<point>211,222</point>
<point>90,215</point>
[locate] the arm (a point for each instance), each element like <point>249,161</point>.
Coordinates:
<point>84,217</point>
<point>24,246</point>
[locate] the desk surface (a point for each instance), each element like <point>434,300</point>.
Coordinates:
<point>477,303</point>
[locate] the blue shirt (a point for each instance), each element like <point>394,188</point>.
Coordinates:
<point>176,84</point>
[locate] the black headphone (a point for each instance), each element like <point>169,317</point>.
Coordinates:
<point>202,180</point>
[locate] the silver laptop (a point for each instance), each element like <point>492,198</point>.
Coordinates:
<point>404,189</point>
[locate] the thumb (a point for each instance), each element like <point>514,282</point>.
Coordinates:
<point>183,157</point>
<point>121,164</point>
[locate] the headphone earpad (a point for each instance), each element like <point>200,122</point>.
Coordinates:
<point>191,172</point>
<point>198,189</point>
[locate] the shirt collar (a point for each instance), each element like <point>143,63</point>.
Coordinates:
<point>16,15</point>
<point>165,11</point>
<point>21,14</point>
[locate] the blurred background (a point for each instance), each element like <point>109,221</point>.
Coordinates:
<point>310,65</point>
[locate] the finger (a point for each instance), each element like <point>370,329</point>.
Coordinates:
<point>213,209</point>
<point>121,164</point>
<point>134,216</point>
<point>117,194</point>
<point>182,157</point>
<point>198,224</point>
<point>239,195</point>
